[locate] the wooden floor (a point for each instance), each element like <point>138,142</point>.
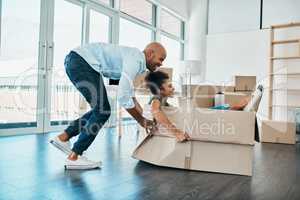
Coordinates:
<point>32,169</point>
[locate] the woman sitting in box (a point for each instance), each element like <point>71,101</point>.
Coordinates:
<point>161,88</point>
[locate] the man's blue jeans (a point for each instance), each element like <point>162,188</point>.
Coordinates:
<point>90,84</point>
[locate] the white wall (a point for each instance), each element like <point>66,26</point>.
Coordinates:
<point>233,15</point>
<point>235,45</point>
<point>243,53</point>
<point>236,15</point>
<point>280,12</point>
<point>239,53</point>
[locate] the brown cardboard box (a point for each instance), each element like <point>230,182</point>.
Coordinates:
<point>205,89</point>
<point>228,88</point>
<point>212,125</point>
<point>201,101</point>
<point>221,141</point>
<point>196,155</point>
<point>278,132</point>
<point>245,83</point>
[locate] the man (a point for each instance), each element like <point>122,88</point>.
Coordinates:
<point>85,67</point>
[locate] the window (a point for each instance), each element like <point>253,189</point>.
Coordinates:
<point>20,22</point>
<point>173,39</point>
<point>170,24</point>
<point>99,27</point>
<point>140,9</point>
<point>134,35</point>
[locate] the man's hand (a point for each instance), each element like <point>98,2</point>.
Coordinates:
<point>149,125</point>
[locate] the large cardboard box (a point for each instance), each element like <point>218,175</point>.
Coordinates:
<point>278,132</point>
<point>196,155</point>
<point>221,141</point>
<point>226,126</point>
<point>245,83</point>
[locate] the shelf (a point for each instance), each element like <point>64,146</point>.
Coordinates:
<point>282,87</point>
<point>286,106</point>
<point>286,41</point>
<point>286,90</point>
<point>285,25</point>
<point>285,58</point>
<point>287,74</point>
<point>297,90</point>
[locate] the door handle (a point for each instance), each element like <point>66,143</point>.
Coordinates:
<point>42,56</point>
<point>50,57</point>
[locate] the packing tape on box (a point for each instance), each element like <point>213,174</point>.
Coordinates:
<point>187,162</point>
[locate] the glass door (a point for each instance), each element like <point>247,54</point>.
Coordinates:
<point>74,24</point>
<point>63,98</point>
<point>20,103</point>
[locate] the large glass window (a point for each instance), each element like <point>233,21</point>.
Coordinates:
<point>134,35</point>
<point>19,50</point>
<point>99,27</point>
<point>170,23</point>
<point>140,9</point>
<point>20,22</point>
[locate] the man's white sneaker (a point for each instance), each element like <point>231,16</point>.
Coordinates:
<point>65,147</point>
<point>82,163</point>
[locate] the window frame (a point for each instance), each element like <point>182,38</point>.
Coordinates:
<point>157,7</point>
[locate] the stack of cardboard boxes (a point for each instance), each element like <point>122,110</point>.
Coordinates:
<point>271,131</point>
<point>221,140</point>
<point>204,95</point>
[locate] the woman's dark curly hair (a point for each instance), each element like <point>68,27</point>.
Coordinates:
<point>154,81</point>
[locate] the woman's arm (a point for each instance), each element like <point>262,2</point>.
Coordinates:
<point>162,119</point>
<point>160,116</point>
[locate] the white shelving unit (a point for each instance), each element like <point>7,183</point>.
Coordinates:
<point>284,90</point>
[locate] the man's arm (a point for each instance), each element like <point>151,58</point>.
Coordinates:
<point>131,68</point>
<point>136,112</point>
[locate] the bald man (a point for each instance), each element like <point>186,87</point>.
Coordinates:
<point>86,66</point>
